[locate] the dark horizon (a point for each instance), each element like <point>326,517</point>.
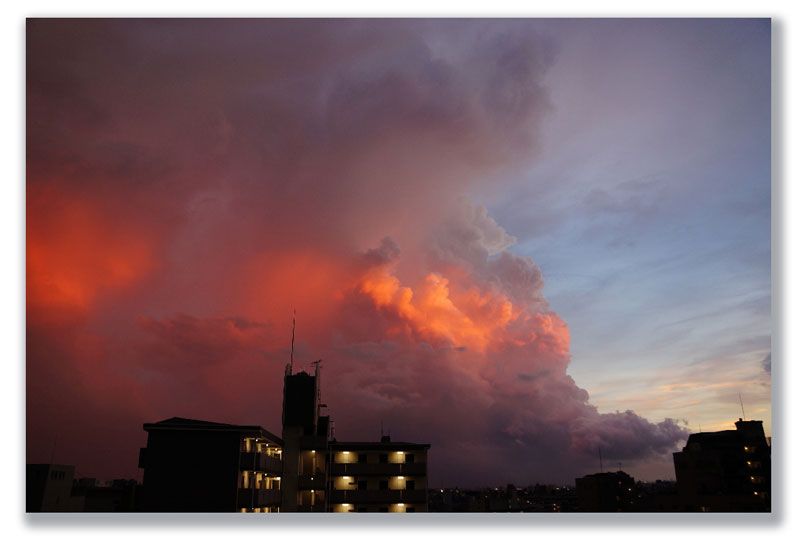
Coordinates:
<point>724,471</point>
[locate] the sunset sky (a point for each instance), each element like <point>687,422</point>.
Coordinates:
<point>518,240</point>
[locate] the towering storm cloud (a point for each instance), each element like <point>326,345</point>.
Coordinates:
<point>190,183</point>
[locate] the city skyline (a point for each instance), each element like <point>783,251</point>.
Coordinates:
<point>522,241</point>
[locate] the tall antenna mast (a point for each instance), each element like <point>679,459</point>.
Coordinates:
<point>742,405</point>
<point>291,353</point>
<point>316,365</point>
<point>600,452</point>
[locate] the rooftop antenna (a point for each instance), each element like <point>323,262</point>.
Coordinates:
<point>742,405</point>
<point>600,452</point>
<point>291,353</point>
<point>317,366</point>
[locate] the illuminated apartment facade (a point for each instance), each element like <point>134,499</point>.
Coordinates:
<point>201,466</point>
<point>380,476</point>
<point>322,474</point>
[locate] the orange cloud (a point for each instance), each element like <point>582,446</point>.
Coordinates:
<point>274,283</point>
<point>76,250</point>
<point>439,312</point>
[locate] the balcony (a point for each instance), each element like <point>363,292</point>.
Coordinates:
<point>311,482</point>
<point>250,498</point>
<point>377,496</point>
<point>381,469</point>
<point>261,462</point>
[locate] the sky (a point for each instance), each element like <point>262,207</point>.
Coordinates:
<point>522,241</point>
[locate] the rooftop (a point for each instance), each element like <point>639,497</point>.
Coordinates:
<point>382,445</point>
<point>186,424</point>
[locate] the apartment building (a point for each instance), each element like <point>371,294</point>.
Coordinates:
<point>306,434</point>
<point>380,476</point>
<point>201,466</point>
<point>323,474</point>
<point>725,470</point>
<point>49,488</point>
<point>606,492</point>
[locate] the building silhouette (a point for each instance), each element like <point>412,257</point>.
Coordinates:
<point>605,492</point>
<point>725,470</point>
<point>115,496</point>
<point>201,466</point>
<point>49,488</point>
<point>54,488</point>
<point>306,434</point>
<point>323,474</point>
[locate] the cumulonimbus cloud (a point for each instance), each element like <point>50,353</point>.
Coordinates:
<point>478,323</point>
<point>191,183</point>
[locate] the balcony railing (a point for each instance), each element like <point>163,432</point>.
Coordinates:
<point>261,462</point>
<point>249,498</point>
<point>384,468</point>
<point>377,496</point>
